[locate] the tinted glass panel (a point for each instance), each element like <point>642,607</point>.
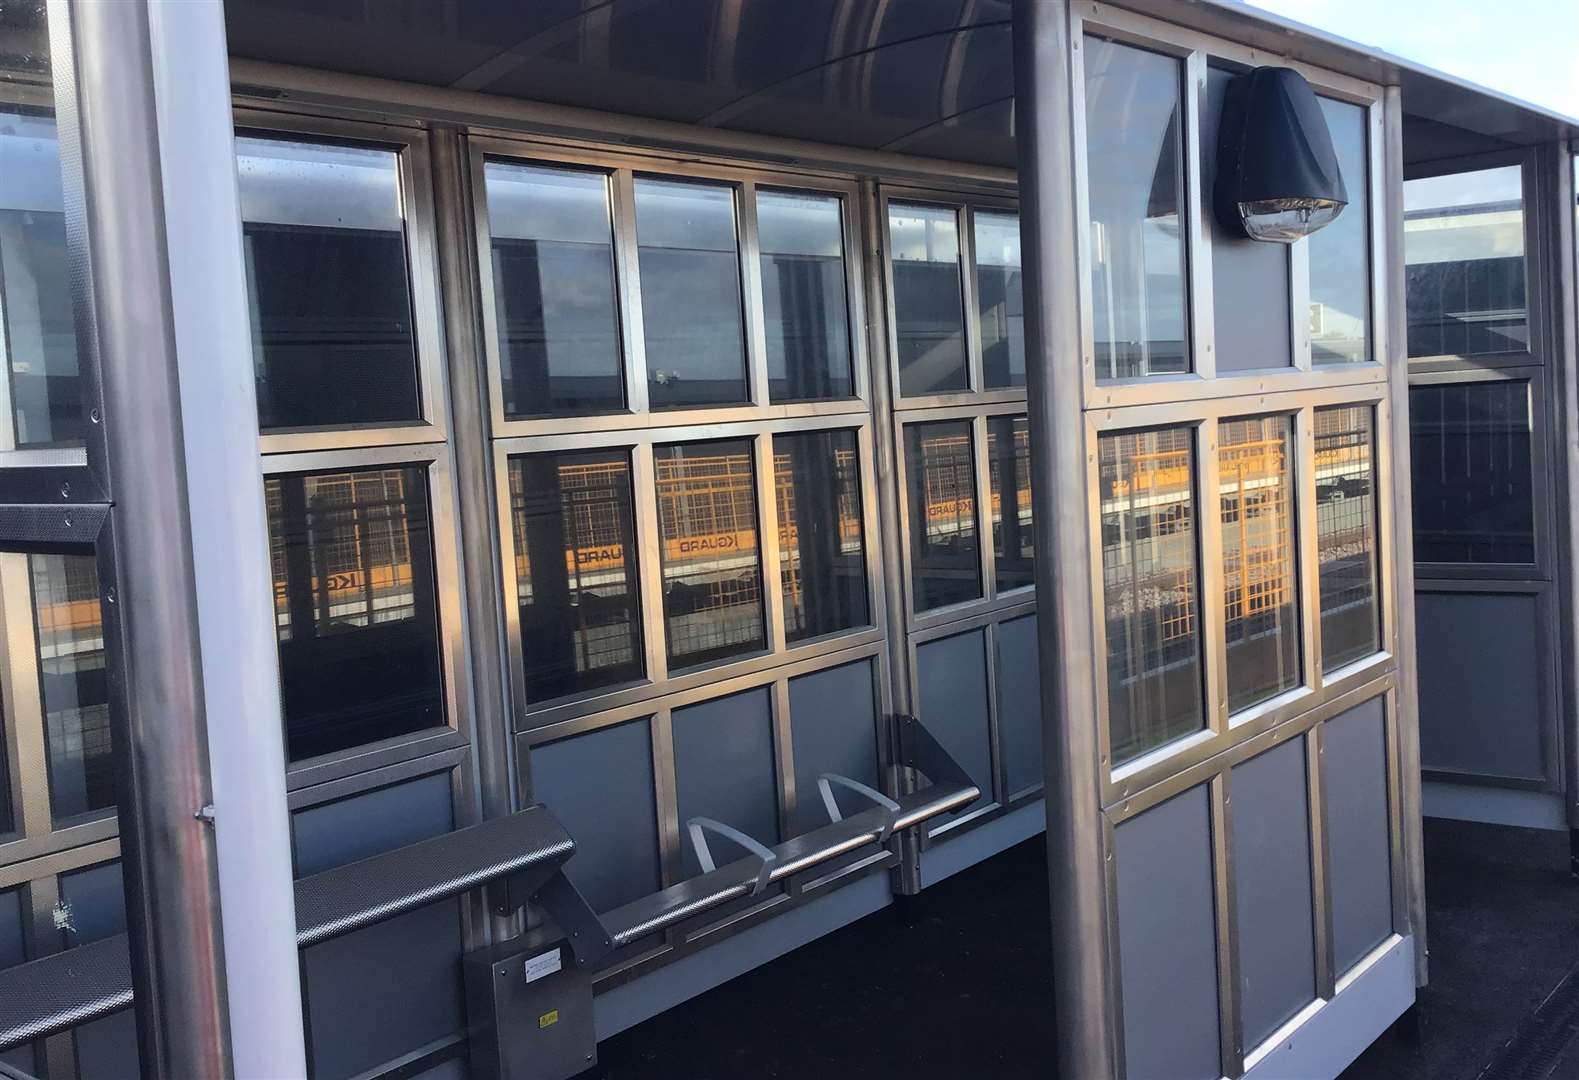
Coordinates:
<point>1340,262</point>
<point>803,296</point>
<point>822,552</point>
<point>929,305</point>
<point>575,571</point>
<point>712,570</point>
<point>1135,180</point>
<point>1261,587</point>
<point>553,287</point>
<point>1009,467</point>
<point>945,552</point>
<point>355,611</point>
<point>1346,534</point>
<point>1474,498</point>
<point>1149,572</point>
<point>1464,263</point>
<point>690,293</point>
<point>72,683</point>
<point>325,242</point>
<point>1000,299</point>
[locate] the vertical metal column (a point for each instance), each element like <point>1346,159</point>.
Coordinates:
<point>172,898</point>
<point>1565,379</point>
<point>1083,981</point>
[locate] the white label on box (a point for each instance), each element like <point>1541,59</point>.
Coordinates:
<point>539,966</point>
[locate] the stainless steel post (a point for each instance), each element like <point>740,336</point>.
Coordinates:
<point>1083,979</point>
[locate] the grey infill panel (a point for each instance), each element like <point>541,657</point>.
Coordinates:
<point>1354,771</point>
<point>383,992</point>
<point>106,1048</point>
<point>599,785</point>
<point>833,723</point>
<point>13,950</point>
<point>1167,929</point>
<point>1272,888</point>
<point>1481,690</point>
<point>453,1069</point>
<point>723,769</point>
<point>951,700</point>
<point>1020,704</point>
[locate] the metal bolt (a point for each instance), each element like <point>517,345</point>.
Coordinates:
<point>65,491</point>
<point>109,595</point>
<point>68,521</point>
<point>93,414</point>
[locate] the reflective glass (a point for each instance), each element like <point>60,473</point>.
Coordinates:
<point>945,552</point>
<point>690,293</point>
<point>1135,185</point>
<point>72,683</point>
<point>712,564</point>
<point>575,571</point>
<point>804,309</point>
<point>553,287</point>
<point>1346,534</point>
<point>355,606</point>
<point>1000,299</point>
<point>1260,584</point>
<point>324,236</point>
<point>1473,487</point>
<point>929,304</point>
<point>1340,259</point>
<point>1464,263</point>
<point>1009,469</point>
<point>822,549</point>
<point>1150,567</point>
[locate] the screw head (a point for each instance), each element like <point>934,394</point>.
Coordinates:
<point>65,491</point>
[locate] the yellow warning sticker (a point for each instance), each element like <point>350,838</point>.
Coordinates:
<point>548,1019</point>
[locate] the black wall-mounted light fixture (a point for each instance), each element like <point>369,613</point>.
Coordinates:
<point>1277,173</point>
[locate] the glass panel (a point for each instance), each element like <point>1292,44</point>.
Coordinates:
<point>712,571</point>
<point>1346,534</point>
<point>945,553</point>
<point>553,287</point>
<point>1474,497</point>
<point>324,234</point>
<point>72,683</point>
<point>1013,544</point>
<point>929,301</point>
<point>1261,587</point>
<point>355,610</point>
<point>690,294</point>
<point>1000,299</point>
<point>1464,263</point>
<point>575,571</point>
<point>1340,254</point>
<point>822,549</point>
<point>1146,483</point>
<point>1135,184</point>
<point>803,300</point>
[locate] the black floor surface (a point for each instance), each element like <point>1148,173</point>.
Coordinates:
<point>955,982</point>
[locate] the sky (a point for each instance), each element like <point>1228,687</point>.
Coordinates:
<point>1526,48</point>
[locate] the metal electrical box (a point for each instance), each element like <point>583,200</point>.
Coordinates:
<point>529,1009</point>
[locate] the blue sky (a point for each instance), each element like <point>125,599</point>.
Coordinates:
<point>1527,48</point>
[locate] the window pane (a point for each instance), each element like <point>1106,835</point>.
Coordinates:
<point>690,294</point>
<point>822,552</point>
<point>803,299</point>
<point>1464,263</point>
<point>929,304</point>
<point>1000,299</point>
<point>1346,534</point>
<point>1013,545</point>
<point>40,340</point>
<point>1149,570</point>
<point>1474,498</point>
<point>712,571</point>
<point>72,683</point>
<point>553,286</point>
<point>1135,181</point>
<point>1261,587</point>
<point>945,553</point>
<point>1340,261</point>
<point>325,243</point>
<point>575,571</point>
<point>355,610</point>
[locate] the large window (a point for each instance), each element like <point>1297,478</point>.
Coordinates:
<point>805,313</point>
<point>822,546</point>
<point>1009,471</point>
<point>71,681</point>
<point>1000,299</point>
<point>1340,259</point>
<point>945,550</point>
<point>1346,534</point>
<point>929,303</point>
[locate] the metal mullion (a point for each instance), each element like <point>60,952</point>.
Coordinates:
<point>871,539</point>
<point>26,748</point>
<point>984,546</point>
<point>750,256</point>
<point>1299,305</point>
<point>666,793</point>
<point>416,201</point>
<point>965,223</point>
<point>492,355</point>
<point>649,565</point>
<point>627,273</point>
<point>57,1052</point>
<point>1308,546</point>
<point>1398,872</point>
<point>1320,862</point>
<point>1198,248</point>
<point>1000,782</point>
<point>784,769</point>
<point>1229,1004</point>
<point>1209,553</point>
<point>853,212</point>
<point>769,572</point>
